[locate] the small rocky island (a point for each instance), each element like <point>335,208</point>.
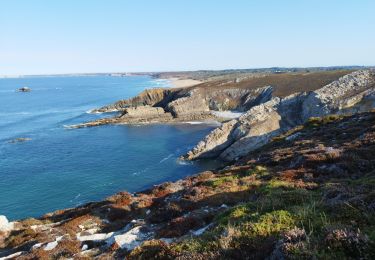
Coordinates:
<point>24,89</point>
<point>298,183</point>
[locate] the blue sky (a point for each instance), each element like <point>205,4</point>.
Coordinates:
<point>41,37</point>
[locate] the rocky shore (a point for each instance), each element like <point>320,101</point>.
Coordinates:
<point>180,105</point>
<point>308,193</point>
<point>265,114</point>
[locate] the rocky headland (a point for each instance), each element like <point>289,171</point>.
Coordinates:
<point>284,102</point>
<point>298,183</point>
<point>351,93</point>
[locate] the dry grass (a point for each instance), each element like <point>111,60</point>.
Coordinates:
<point>284,84</point>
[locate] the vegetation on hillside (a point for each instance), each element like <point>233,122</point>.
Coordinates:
<point>308,194</point>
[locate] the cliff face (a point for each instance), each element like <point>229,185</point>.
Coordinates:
<point>179,105</point>
<point>151,97</point>
<point>353,92</point>
<point>308,193</point>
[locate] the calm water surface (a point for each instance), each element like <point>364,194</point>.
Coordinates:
<point>59,167</point>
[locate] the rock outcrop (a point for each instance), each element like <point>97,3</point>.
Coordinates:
<point>24,89</point>
<point>158,97</point>
<point>350,93</point>
<point>192,103</point>
<point>238,99</point>
<point>180,105</point>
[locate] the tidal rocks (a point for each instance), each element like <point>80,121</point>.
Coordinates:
<point>19,140</point>
<point>353,92</point>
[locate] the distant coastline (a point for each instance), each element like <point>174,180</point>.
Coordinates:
<point>172,74</point>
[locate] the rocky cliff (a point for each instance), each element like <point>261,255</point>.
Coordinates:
<point>179,105</point>
<point>350,93</point>
<point>151,97</point>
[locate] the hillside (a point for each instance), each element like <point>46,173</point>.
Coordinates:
<point>232,91</point>
<point>308,193</point>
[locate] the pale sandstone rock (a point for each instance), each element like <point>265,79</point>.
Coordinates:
<point>143,112</point>
<point>193,103</point>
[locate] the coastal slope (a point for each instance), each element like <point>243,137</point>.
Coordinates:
<point>307,193</point>
<point>349,94</point>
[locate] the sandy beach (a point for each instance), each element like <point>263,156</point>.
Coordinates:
<point>183,83</point>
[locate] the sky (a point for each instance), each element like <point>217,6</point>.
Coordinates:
<point>82,36</point>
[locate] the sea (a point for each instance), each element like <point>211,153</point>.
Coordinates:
<point>54,167</point>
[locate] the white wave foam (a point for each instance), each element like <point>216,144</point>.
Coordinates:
<point>91,112</point>
<point>166,158</point>
<point>194,122</point>
<point>140,172</point>
<point>183,162</point>
<point>15,114</point>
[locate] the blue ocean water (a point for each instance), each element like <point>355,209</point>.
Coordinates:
<point>59,167</point>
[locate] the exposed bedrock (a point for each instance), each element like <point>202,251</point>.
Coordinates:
<point>351,93</point>
<point>158,97</point>
<point>238,99</point>
<point>192,103</point>
<point>176,105</point>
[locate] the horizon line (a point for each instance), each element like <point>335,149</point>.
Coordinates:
<point>133,73</point>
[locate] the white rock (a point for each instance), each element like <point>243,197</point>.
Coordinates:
<point>5,225</point>
<point>201,230</point>
<point>50,246</point>
<point>84,247</point>
<point>37,245</point>
<point>132,238</point>
<point>95,237</point>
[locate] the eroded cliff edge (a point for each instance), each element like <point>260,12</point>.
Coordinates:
<point>351,93</point>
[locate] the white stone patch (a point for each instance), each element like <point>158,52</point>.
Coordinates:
<point>37,245</point>
<point>131,239</point>
<point>95,237</point>
<point>201,230</point>
<point>51,246</point>
<point>5,225</point>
